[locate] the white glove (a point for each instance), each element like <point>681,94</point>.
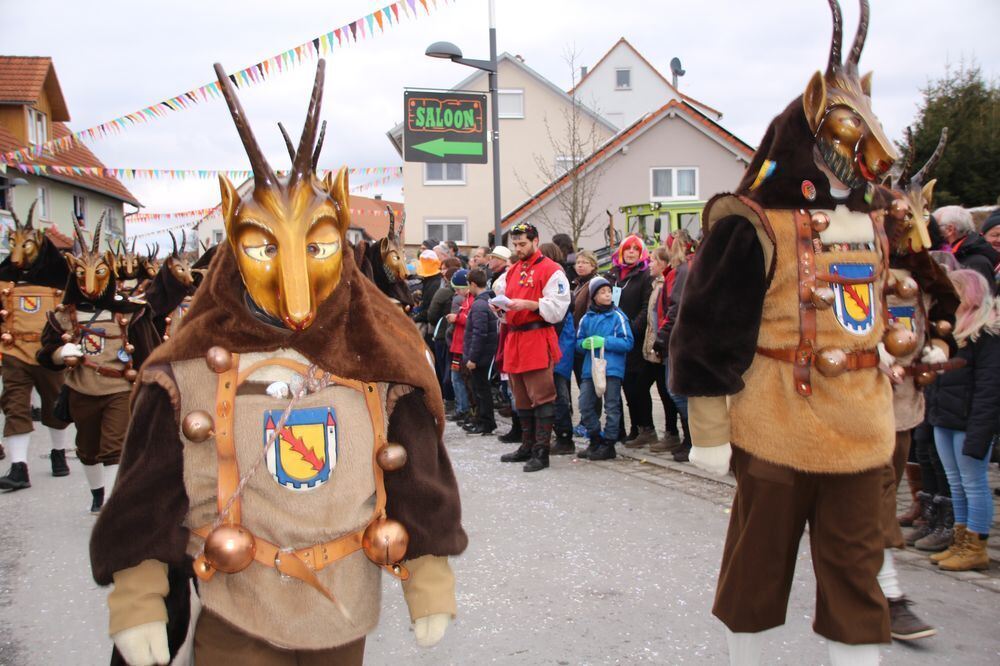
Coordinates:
<point>68,350</point>
<point>712,459</point>
<point>143,645</point>
<point>885,359</point>
<point>932,354</point>
<point>278,390</point>
<point>429,630</point>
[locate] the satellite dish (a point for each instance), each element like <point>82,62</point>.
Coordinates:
<point>676,70</point>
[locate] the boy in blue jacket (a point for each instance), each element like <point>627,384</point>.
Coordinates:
<point>603,326</point>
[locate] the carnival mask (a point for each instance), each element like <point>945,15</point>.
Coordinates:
<point>126,262</point>
<point>837,105</point>
<point>178,264</point>
<point>391,249</point>
<point>287,234</point>
<point>910,212</point>
<point>25,242</point>
<point>150,264</point>
<point>92,269</point>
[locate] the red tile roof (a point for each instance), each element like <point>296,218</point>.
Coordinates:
<point>22,80</point>
<point>370,215</point>
<point>78,155</point>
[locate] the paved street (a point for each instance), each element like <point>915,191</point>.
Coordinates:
<point>587,563</point>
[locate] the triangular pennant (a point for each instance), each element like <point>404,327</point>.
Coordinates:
<point>371,22</point>
<point>378,19</point>
<point>354,30</point>
<point>395,10</point>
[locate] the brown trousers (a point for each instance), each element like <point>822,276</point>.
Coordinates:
<point>15,400</point>
<point>218,643</point>
<point>892,475</point>
<point>533,388</point>
<point>772,506</point>
<point>101,422</point>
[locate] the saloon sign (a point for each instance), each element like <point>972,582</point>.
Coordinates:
<point>444,127</point>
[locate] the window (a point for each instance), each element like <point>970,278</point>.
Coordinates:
<point>42,209</point>
<point>110,221</point>
<point>355,236</point>
<point>37,130</point>
<point>445,230</point>
<point>80,207</point>
<point>690,222</point>
<point>217,236</point>
<point>673,183</point>
<point>444,174</point>
<point>510,103</point>
<point>623,78</point>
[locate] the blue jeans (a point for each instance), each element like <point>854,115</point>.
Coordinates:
<point>590,410</point>
<point>971,498</point>
<point>564,406</point>
<point>680,401</point>
<point>461,392</point>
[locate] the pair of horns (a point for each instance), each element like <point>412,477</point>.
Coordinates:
<point>151,254</point>
<point>834,64</point>
<point>303,159</point>
<point>927,170</point>
<point>291,148</point>
<point>174,241</point>
<point>31,218</point>
<point>96,246</point>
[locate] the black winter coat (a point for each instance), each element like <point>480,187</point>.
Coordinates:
<point>480,342</point>
<point>968,399</point>
<point>428,287</point>
<point>976,254</point>
<point>636,290</point>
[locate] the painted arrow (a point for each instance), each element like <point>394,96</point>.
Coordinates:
<point>442,147</point>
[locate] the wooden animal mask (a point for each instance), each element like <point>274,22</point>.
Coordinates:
<point>25,241</point>
<point>911,211</point>
<point>92,268</point>
<point>838,109</point>
<point>391,249</point>
<point>178,263</point>
<point>127,262</point>
<point>150,264</point>
<point>288,233</point>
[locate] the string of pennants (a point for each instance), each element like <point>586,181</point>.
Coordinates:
<point>178,174</point>
<point>355,31</point>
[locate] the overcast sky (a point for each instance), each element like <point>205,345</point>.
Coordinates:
<point>747,58</point>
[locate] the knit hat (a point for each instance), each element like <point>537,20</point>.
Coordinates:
<point>596,284</point>
<point>461,278</point>
<point>587,256</point>
<point>992,221</point>
<point>429,264</point>
<point>501,252</point>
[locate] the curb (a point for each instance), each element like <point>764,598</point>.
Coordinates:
<point>666,461</point>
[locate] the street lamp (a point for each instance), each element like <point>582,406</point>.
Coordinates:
<point>16,182</point>
<point>449,51</point>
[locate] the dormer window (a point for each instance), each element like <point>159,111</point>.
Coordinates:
<point>623,78</point>
<point>37,127</point>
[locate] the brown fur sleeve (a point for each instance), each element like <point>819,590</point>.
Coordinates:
<point>423,495</point>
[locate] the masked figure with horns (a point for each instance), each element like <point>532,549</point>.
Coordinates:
<point>794,269</point>
<point>32,278</point>
<point>287,449</point>
<point>102,338</point>
<point>169,294</point>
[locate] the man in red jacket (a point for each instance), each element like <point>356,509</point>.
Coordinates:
<point>538,295</point>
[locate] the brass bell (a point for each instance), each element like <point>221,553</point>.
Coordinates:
<point>71,361</point>
<point>820,222</point>
<point>899,209</point>
<point>391,457</point>
<point>900,341</point>
<point>198,425</point>
<point>831,362</point>
<point>168,320</point>
<point>4,313</point>
<point>219,360</point>
<point>943,327</point>
<point>202,569</point>
<point>66,337</point>
<point>925,378</point>
<point>5,292</point>
<point>165,337</point>
<point>907,288</point>
<point>130,375</point>
<point>230,548</point>
<point>7,339</point>
<point>823,298</point>
<point>61,307</point>
<point>129,348</point>
<point>385,541</point>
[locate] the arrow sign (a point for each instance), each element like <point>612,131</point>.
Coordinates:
<point>442,147</point>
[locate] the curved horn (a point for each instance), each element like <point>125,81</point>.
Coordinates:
<point>30,224</point>
<point>97,234</point>
<point>392,222</point>
<point>859,36</point>
<point>263,175</point>
<point>173,241</point>
<point>904,172</point>
<point>319,144</point>
<point>833,64</point>
<point>288,142</point>
<point>80,238</point>
<point>184,240</point>
<point>303,156</point>
<point>928,168</point>
<point>133,246</point>
<point>17,221</point>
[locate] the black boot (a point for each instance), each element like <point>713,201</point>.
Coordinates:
<point>16,478</point>
<point>544,420</point>
<point>58,459</point>
<point>515,433</point>
<point>605,450</point>
<point>98,500</point>
<point>564,445</point>
<point>595,444</point>
<point>526,419</point>
<point>927,521</point>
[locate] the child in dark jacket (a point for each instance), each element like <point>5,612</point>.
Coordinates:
<point>478,350</point>
<point>604,326</point>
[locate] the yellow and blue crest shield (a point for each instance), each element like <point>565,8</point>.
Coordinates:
<point>903,314</point>
<point>92,341</point>
<point>855,303</point>
<point>30,304</point>
<point>305,451</point>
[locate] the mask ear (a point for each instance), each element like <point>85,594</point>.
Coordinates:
<point>866,84</point>
<point>338,190</point>
<point>70,261</point>
<point>230,200</point>
<point>928,192</point>
<point>814,100</point>
<point>109,260</point>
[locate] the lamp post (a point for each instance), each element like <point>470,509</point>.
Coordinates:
<point>453,53</point>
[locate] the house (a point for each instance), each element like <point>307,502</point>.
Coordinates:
<point>34,111</point>
<point>455,201</point>
<point>674,155</point>
<point>623,86</point>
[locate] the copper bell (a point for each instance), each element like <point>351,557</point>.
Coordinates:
<point>820,222</point>
<point>167,319</point>
<point>900,341</point>
<point>165,337</point>
<point>391,457</point>
<point>219,360</point>
<point>943,327</point>
<point>61,307</point>
<point>899,209</point>
<point>198,425</point>
<point>823,298</point>
<point>71,361</point>
<point>831,362</point>
<point>907,288</point>
<point>230,548</point>
<point>7,339</point>
<point>925,378</point>
<point>67,337</point>
<point>4,313</point>
<point>5,292</point>
<point>130,375</point>
<point>385,541</point>
<point>129,348</point>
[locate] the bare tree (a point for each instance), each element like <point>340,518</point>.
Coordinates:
<point>577,138</point>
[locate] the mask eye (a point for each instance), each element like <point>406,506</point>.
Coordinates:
<point>322,250</point>
<point>79,273</point>
<point>102,271</point>
<point>261,252</point>
<point>29,245</point>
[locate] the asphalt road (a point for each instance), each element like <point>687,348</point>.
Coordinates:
<point>586,563</point>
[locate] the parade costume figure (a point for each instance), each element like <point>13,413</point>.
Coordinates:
<point>32,278</point>
<point>540,296</point>
<point>102,338</point>
<point>289,509</point>
<point>169,294</point>
<point>384,263</point>
<point>776,346</point>
<point>128,268</point>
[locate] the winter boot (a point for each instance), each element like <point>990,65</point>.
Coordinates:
<point>595,443</point>
<point>971,555</point>
<point>97,500</point>
<point>515,433</point>
<point>544,420</point>
<point>16,478</point>
<point>925,524</point>
<point>526,427</point>
<point>564,445</point>
<point>904,625</point>
<point>606,451</point>
<point>58,459</point>
<point>914,481</point>
<point>959,534</point>
<point>646,435</point>
<point>941,535</point>
<point>670,443</point>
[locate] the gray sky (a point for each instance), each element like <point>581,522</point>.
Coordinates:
<point>747,58</point>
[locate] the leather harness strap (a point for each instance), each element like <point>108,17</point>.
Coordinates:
<point>225,443</point>
<point>806,262</point>
<point>859,360</point>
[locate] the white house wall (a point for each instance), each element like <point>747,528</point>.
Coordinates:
<point>622,107</point>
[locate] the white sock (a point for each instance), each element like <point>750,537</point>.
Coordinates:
<point>17,445</point>
<point>842,654</point>
<point>888,579</point>
<point>110,474</point>
<point>95,476</point>
<point>59,438</point>
<point>744,648</point>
